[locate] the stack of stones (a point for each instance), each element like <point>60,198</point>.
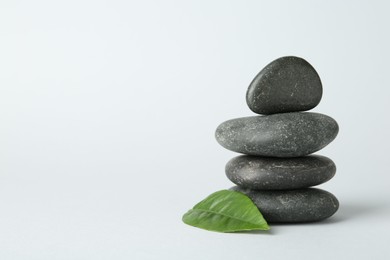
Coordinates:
<point>276,170</point>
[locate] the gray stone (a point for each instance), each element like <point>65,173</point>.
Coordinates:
<point>270,173</point>
<point>292,206</point>
<point>288,84</point>
<point>279,135</point>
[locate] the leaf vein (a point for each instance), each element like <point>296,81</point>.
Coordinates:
<point>225,215</point>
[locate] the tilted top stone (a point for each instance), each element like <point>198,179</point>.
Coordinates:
<point>288,84</point>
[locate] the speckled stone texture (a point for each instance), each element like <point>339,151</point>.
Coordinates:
<point>293,206</point>
<point>277,168</point>
<point>268,173</point>
<point>288,84</point>
<point>279,135</point>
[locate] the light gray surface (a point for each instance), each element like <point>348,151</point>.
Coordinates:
<point>108,111</point>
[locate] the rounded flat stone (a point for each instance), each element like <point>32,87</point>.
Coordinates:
<point>293,206</point>
<point>288,84</point>
<point>279,135</point>
<point>270,173</point>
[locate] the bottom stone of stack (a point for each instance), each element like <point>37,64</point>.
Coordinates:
<point>293,206</point>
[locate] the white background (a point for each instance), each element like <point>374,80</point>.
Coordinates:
<point>108,111</point>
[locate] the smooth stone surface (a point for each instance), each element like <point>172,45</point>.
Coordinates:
<point>287,84</point>
<point>269,173</point>
<point>292,206</point>
<point>280,135</point>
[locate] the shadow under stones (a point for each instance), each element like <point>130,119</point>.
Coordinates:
<point>357,210</point>
<point>257,232</point>
<point>347,211</point>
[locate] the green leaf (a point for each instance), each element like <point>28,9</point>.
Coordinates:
<point>226,211</point>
